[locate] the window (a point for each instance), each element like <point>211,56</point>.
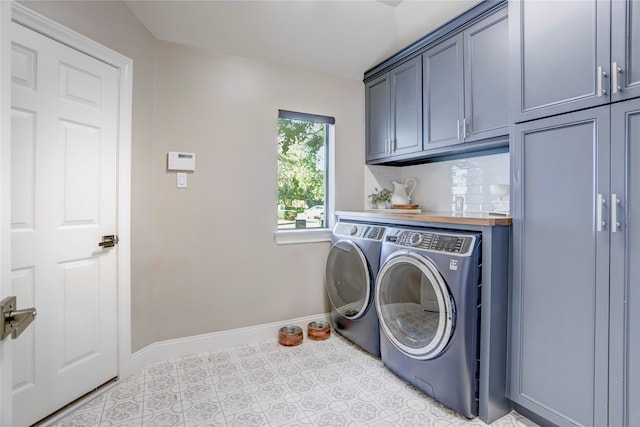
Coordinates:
<point>304,142</point>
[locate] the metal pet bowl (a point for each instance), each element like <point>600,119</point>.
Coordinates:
<point>318,331</point>
<point>290,336</point>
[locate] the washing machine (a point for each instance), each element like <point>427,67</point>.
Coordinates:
<point>351,271</point>
<point>427,301</point>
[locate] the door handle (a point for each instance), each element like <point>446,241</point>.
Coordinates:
<point>615,224</point>
<point>109,241</point>
<point>615,88</point>
<point>599,222</point>
<point>14,321</point>
<point>601,74</point>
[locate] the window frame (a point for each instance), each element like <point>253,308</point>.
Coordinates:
<point>323,234</point>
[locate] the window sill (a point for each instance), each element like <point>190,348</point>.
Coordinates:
<point>293,237</point>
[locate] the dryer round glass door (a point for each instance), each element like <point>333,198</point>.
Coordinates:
<point>348,279</point>
<point>415,308</point>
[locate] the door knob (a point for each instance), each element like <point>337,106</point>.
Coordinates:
<point>109,241</point>
<point>14,321</point>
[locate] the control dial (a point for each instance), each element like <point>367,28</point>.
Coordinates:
<point>415,239</point>
<point>353,230</point>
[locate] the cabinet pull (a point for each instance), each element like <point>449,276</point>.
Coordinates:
<point>600,77</point>
<point>614,77</point>
<point>615,224</point>
<point>464,128</point>
<point>599,222</point>
<point>458,128</point>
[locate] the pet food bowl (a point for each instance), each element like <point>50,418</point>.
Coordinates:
<point>318,331</point>
<point>290,336</point>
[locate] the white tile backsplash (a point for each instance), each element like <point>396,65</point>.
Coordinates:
<point>438,184</point>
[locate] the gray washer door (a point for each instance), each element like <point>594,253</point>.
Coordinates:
<point>415,308</point>
<point>348,279</point>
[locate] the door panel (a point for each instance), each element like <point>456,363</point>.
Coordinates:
<point>555,70</point>
<point>486,78</point>
<point>632,283</point>
<point>23,169</point>
<point>625,48</point>
<point>624,344</point>
<point>443,97</point>
<point>406,95</point>
<point>64,141</point>
<point>561,268</point>
<point>378,104</point>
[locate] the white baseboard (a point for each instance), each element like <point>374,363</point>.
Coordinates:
<point>181,347</point>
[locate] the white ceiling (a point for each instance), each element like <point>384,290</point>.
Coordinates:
<point>341,37</point>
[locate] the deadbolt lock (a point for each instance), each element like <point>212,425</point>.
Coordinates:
<point>109,241</point>
<point>14,321</point>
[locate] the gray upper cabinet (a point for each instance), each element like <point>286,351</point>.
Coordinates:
<point>466,94</point>
<point>560,55</point>
<point>394,112</point>
<point>560,298</point>
<point>625,50</point>
<point>486,76</point>
<point>446,95</point>
<point>378,117</point>
<point>443,96</point>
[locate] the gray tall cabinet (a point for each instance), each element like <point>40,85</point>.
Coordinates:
<point>575,331</point>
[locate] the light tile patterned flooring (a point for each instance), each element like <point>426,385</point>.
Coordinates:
<point>318,383</point>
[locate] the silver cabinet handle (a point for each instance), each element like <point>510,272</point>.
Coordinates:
<point>458,128</point>
<point>600,76</point>
<point>599,222</point>
<point>464,128</point>
<point>615,224</point>
<point>615,88</point>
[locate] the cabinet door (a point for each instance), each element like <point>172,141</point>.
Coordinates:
<point>486,72</point>
<point>557,49</point>
<point>443,94</point>
<point>625,49</point>
<point>559,354</point>
<point>406,104</point>
<point>378,116</point>
<point>625,270</point>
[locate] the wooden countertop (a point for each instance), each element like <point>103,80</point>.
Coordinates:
<point>479,219</point>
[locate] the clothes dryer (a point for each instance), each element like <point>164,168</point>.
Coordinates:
<point>351,271</point>
<point>427,300</point>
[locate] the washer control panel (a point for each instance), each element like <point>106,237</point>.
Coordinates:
<point>363,231</point>
<point>435,242</point>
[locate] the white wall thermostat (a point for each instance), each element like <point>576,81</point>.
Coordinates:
<point>178,161</point>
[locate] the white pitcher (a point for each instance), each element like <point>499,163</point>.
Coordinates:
<point>400,195</point>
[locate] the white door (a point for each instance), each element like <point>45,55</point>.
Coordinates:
<point>63,183</point>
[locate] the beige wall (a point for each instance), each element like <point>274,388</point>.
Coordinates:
<point>204,258</point>
<point>220,261</point>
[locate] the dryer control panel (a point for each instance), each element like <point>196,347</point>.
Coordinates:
<point>363,231</point>
<point>437,242</point>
